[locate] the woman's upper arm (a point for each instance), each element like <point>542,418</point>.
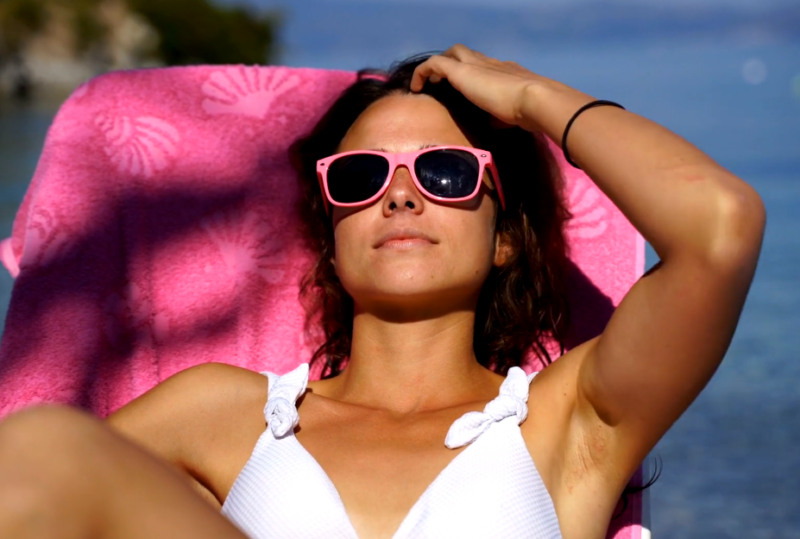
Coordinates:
<point>163,419</point>
<point>668,336</point>
<point>193,418</point>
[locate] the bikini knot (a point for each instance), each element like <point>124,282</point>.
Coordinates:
<point>282,416</point>
<point>512,401</point>
<point>281,411</point>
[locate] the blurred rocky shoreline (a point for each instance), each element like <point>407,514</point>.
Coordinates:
<point>51,46</point>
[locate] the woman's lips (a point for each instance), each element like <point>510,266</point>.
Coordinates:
<point>404,243</point>
<point>404,239</point>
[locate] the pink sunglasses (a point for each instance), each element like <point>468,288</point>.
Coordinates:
<point>443,173</point>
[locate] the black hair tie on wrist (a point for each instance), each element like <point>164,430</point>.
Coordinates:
<point>587,106</point>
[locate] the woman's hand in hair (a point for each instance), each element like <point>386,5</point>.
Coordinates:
<point>499,88</point>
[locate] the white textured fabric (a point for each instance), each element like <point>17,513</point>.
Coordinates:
<point>512,401</point>
<point>280,410</point>
<point>490,490</point>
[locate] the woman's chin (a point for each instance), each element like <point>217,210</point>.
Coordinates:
<point>436,296</point>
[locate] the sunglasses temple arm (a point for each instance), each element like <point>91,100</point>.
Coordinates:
<point>499,186</point>
<point>322,191</point>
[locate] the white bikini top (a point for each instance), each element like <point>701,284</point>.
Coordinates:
<point>490,490</point>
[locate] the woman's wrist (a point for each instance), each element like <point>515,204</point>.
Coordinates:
<point>547,106</point>
<point>650,173</point>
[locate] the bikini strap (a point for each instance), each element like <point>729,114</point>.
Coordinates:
<point>281,409</point>
<point>512,401</point>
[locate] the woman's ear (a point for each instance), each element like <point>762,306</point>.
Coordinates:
<point>503,249</point>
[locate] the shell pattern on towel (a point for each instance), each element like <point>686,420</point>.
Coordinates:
<point>246,91</point>
<point>48,239</point>
<point>163,216</point>
<point>139,146</point>
<point>248,244</point>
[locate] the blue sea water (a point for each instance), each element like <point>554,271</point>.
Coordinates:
<point>731,464</point>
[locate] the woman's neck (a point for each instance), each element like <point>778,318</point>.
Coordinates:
<point>413,366</point>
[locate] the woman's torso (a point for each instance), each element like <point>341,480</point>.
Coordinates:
<point>490,488</point>
<point>381,465</point>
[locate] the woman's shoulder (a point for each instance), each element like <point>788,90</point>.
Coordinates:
<point>186,407</point>
<point>219,378</point>
<point>210,386</point>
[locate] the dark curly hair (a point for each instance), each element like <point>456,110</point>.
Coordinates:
<point>521,304</point>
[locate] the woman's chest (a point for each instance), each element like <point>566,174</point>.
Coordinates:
<point>380,466</point>
<point>388,489</point>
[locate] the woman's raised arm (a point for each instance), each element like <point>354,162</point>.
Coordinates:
<point>672,329</point>
<point>674,326</point>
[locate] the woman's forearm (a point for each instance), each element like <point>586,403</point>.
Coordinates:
<point>675,195</point>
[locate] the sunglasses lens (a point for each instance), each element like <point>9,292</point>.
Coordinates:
<point>356,178</point>
<point>448,173</point>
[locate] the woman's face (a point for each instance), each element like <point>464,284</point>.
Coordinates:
<point>406,254</point>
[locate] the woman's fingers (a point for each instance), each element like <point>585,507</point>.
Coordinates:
<point>494,86</point>
<point>438,67</point>
<point>465,54</point>
<point>434,69</point>
<point>459,52</point>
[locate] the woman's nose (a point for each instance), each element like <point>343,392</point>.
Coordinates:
<point>402,194</point>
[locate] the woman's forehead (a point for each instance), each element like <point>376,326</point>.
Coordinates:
<point>403,123</point>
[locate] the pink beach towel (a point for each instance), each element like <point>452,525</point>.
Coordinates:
<point>160,232</point>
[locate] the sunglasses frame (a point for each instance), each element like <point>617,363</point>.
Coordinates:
<point>408,159</point>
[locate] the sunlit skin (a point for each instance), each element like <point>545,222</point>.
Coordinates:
<point>377,429</point>
<point>405,280</point>
<point>421,293</point>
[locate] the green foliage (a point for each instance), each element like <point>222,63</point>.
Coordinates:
<point>22,19</point>
<point>196,31</point>
<point>19,19</point>
<point>191,31</point>
<point>89,29</point>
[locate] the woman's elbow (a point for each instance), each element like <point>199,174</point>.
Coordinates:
<point>739,231</point>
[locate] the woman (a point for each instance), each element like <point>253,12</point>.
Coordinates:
<point>413,259</point>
